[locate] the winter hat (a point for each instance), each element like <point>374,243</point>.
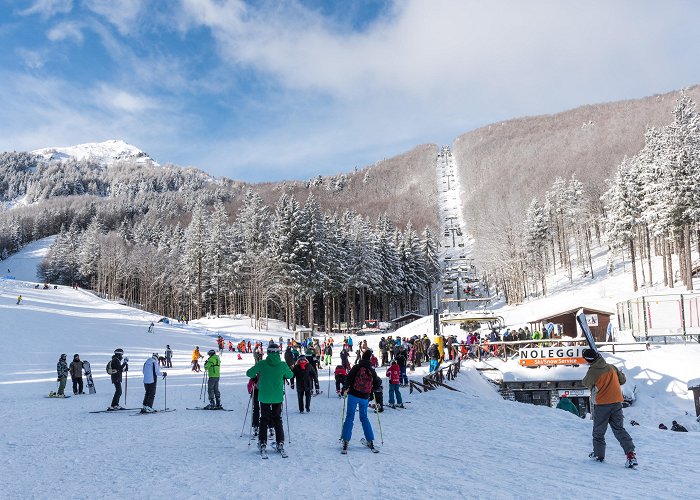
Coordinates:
<point>273,348</point>
<point>63,356</point>
<point>211,352</point>
<point>367,355</point>
<point>76,356</point>
<point>590,355</point>
<point>119,351</point>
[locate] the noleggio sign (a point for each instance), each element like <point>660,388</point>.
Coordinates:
<point>549,356</point>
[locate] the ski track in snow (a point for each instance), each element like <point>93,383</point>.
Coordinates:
<point>469,444</point>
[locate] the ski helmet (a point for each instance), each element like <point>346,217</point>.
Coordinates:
<point>590,355</point>
<point>155,355</point>
<point>272,347</point>
<point>211,352</point>
<point>119,351</point>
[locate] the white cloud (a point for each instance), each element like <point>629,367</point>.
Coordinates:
<point>66,31</point>
<point>31,58</point>
<point>48,8</point>
<point>122,101</point>
<point>123,14</point>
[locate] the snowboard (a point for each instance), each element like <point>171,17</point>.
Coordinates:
<point>54,395</point>
<point>88,377</point>
<point>364,441</point>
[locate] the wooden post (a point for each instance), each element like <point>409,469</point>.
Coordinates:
<point>695,387</point>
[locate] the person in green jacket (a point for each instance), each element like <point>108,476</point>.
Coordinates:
<point>272,371</point>
<point>568,405</point>
<point>213,367</point>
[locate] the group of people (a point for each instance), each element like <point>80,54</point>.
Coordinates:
<point>74,369</point>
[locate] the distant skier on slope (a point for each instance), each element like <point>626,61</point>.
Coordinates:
<point>168,356</point>
<point>604,382</point>
<point>116,368</point>
<point>151,372</point>
<point>19,299</point>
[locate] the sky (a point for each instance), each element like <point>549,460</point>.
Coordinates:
<point>289,89</point>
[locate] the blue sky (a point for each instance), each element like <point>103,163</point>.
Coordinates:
<point>288,89</point>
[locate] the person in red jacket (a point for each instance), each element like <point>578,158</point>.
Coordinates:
<point>394,375</point>
<point>340,373</point>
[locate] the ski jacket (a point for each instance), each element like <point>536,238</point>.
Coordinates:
<point>168,354</point>
<point>604,381</point>
<point>76,369</point>
<point>151,371</point>
<point>350,379</point>
<point>568,405</point>
<point>340,370</point>
<point>394,373</point>
<point>303,377</point>
<point>678,428</point>
<point>196,355</point>
<point>434,352</point>
<point>213,366</point>
<point>328,351</point>
<point>401,357</point>
<point>289,357</point>
<point>62,368</point>
<point>119,367</point>
<point>272,373</point>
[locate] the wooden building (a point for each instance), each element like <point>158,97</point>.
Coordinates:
<point>566,326</point>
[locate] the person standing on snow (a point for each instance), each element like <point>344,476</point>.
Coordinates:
<point>359,384</point>
<point>304,381</point>
<point>271,373</point>
<point>195,360</point>
<point>393,373</point>
<point>62,371</point>
<point>168,356</point>
<point>604,382</point>
<point>76,374</point>
<point>116,368</point>
<point>151,372</point>
<point>213,367</point>
<point>328,354</point>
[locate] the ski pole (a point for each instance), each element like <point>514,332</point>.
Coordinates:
<point>376,410</point>
<point>126,384</point>
<point>201,390</point>
<point>165,379</point>
<point>342,417</point>
<point>289,434</point>
<point>329,381</point>
<point>246,414</point>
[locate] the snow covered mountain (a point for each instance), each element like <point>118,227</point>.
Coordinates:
<point>106,153</point>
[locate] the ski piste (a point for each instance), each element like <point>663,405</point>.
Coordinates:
<point>208,409</point>
<point>115,411</point>
<point>153,412</point>
<point>88,377</point>
<point>581,320</point>
<point>366,443</point>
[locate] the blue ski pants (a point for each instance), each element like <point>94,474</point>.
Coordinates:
<point>352,403</point>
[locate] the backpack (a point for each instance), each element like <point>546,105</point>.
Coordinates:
<point>363,381</point>
<point>110,370</point>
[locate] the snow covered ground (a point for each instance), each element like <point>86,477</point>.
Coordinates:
<point>447,444</point>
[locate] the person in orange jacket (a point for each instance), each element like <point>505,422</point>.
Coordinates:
<point>196,356</point>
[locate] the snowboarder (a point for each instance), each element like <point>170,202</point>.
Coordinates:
<point>115,369</point>
<point>393,373</point>
<point>195,360</point>
<point>304,381</point>
<point>19,299</point>
<point>168,356</point>
<point>151,372</point>
<point>76,374</point>
<point>272,372</point>
<point>604,382</point>
<point>678,427</point>
<point>62,370</point>
<point>213,367</point>
<point>359,384</point>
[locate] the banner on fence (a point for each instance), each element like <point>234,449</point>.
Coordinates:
<point>549,356</point>
<point>572,393</point>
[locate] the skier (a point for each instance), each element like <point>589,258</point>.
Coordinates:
<point>344,357</point>
<point>62,370</point>
<point>195,360</point>
<point>19,299</point>
<point>383,351</point>
<point>168,356</point>
<point>313,364</point>
<point>272,372</point>
<point>359,384</point>
<point>151,372</point>
<point>678,427</point>
<point>340,373</point>
<point>378,395</point>
<point>289,357</point>
<point>401,357</point>
<point>230,346</point>
<point>76,374</point>
<point>303,379</point>
<point>328,354</point>
<point>393,373</point>
<point>604,382</point>
<point>116,367</point>
<point>213,367</point>
<point>434,355</point>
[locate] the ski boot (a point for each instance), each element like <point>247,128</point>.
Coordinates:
<point>280,449</point>
<point>210,406</point>
<point>218,404</point>
<point>631,460</point>
<point>255,431</point>
<point>344,451</point>
<point>263,449</point>
<point>595,457</point>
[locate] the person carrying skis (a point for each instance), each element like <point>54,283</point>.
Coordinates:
<point>195,360</point>
<point>393,373</point>
<point>168,356</point>
<point>116,368</point>
<point>213,367</point>
<point>304,381</point>
<point>272,372</point>
<point>62,370</point>
<point>358,389</point>
<point>76,374</point>
<point>151,372</point>
<point>604,382</point>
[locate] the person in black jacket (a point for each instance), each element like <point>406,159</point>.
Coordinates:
<point>303,378</point>
<point>116,368</point>
<point>344,357</point>
<point>401,358</point>
<point>288,356</point>
<point>678,427</point>
<point>359,385</point>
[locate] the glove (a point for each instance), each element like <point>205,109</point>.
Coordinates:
<point>126,360</point>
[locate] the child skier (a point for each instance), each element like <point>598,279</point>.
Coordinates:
<point>394,375</point>
<point>340,373</point>
<point>195,360</point>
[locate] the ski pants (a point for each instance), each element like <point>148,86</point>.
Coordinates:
<point>385,357</point>
<point>271,416</point>
<point>256,409</point>
<point>339,382</point>
<point>394,389</point>
<point>300,398</point>
<point>150,395</point>
<point>168,362</point>
<point>379,399</point>
<point>609,414</point>
<point>62,384</point>
<point>213,389</point>
<point>314,376</point>
<point>434,363</point>
<point>77,385</point>
<point>352,403</point>
<point>328,359</point>
<point>117,393</point>
<point>403,378</point>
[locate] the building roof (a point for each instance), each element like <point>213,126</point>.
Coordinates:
<point>407,317</point>
<point>563,312</point>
